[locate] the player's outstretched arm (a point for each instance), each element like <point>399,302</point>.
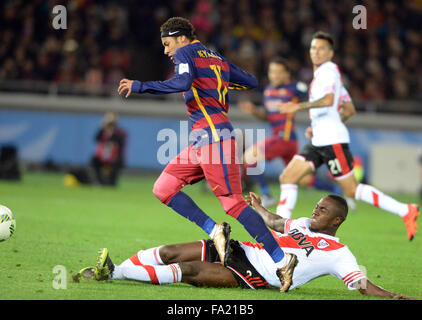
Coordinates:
<point>125,85</point>
<point>240,79</point>
<point>370,289</point>
<point>250,108</point>
<point>309,133</point>
<point>179,83</point>
<point>291,107</point>
<point>347,110</point>
<point>272,220</point>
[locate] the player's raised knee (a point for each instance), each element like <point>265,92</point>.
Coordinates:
<point>166,187</point>
<point>157,190</point>
<point>295,171</point>
<point>286,177</point>
<point>349,191</point>
<point>168,254</point>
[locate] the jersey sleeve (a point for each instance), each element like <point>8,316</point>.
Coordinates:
<point>325,83</point>
<point>344,96</point>
<point>288,225</point>
<point>240,79</point>
<point>346,269</point>
<point>182,80</point>
<point>291,224</point>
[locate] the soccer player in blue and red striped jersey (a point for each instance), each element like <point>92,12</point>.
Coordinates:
<point>283,142</point>
<point>205,77</point>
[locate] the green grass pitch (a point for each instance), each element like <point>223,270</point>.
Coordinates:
<point>61,226</point>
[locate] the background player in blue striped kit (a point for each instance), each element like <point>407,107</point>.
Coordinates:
<point>283,143</point>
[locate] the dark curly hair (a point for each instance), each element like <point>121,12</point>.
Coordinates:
<point>179,24</point>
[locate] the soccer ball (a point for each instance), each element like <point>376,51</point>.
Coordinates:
<point>7,223</point>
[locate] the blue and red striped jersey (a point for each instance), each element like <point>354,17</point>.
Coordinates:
<point>282,124</point>
<point>204,77</point>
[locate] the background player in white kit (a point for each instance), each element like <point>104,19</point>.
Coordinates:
<point>330,141</point>
<point>248,265</point>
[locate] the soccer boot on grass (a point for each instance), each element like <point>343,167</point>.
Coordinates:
<point>86,273</point>
<point>410,221</point>
<point>285,274</point>
<point>221,240</point>
<point>104,267</point>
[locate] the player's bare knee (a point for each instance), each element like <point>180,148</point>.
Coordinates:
<point>280,178</point>
<point>349,192</point>
<point>190,269</point>
<point>348,187</point>
<point>168,254</point>
<point>286,177</point>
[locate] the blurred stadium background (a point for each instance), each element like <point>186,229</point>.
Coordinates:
<point>55,85</point>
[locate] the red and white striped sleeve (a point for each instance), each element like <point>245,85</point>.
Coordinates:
<point>344,96</point>
<point>347,269</point>
<point>351,278</point>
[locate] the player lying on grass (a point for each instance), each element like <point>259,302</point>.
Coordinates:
<point>248,265</point>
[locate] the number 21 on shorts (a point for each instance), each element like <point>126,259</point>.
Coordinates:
<point>334,166</point>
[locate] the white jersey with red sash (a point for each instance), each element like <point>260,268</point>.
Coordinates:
<point>318,254</point>
<point>327,127</point>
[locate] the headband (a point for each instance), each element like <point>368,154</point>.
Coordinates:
<point>175,33</point>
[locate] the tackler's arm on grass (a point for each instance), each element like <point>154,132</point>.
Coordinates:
<point>367,288</point>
